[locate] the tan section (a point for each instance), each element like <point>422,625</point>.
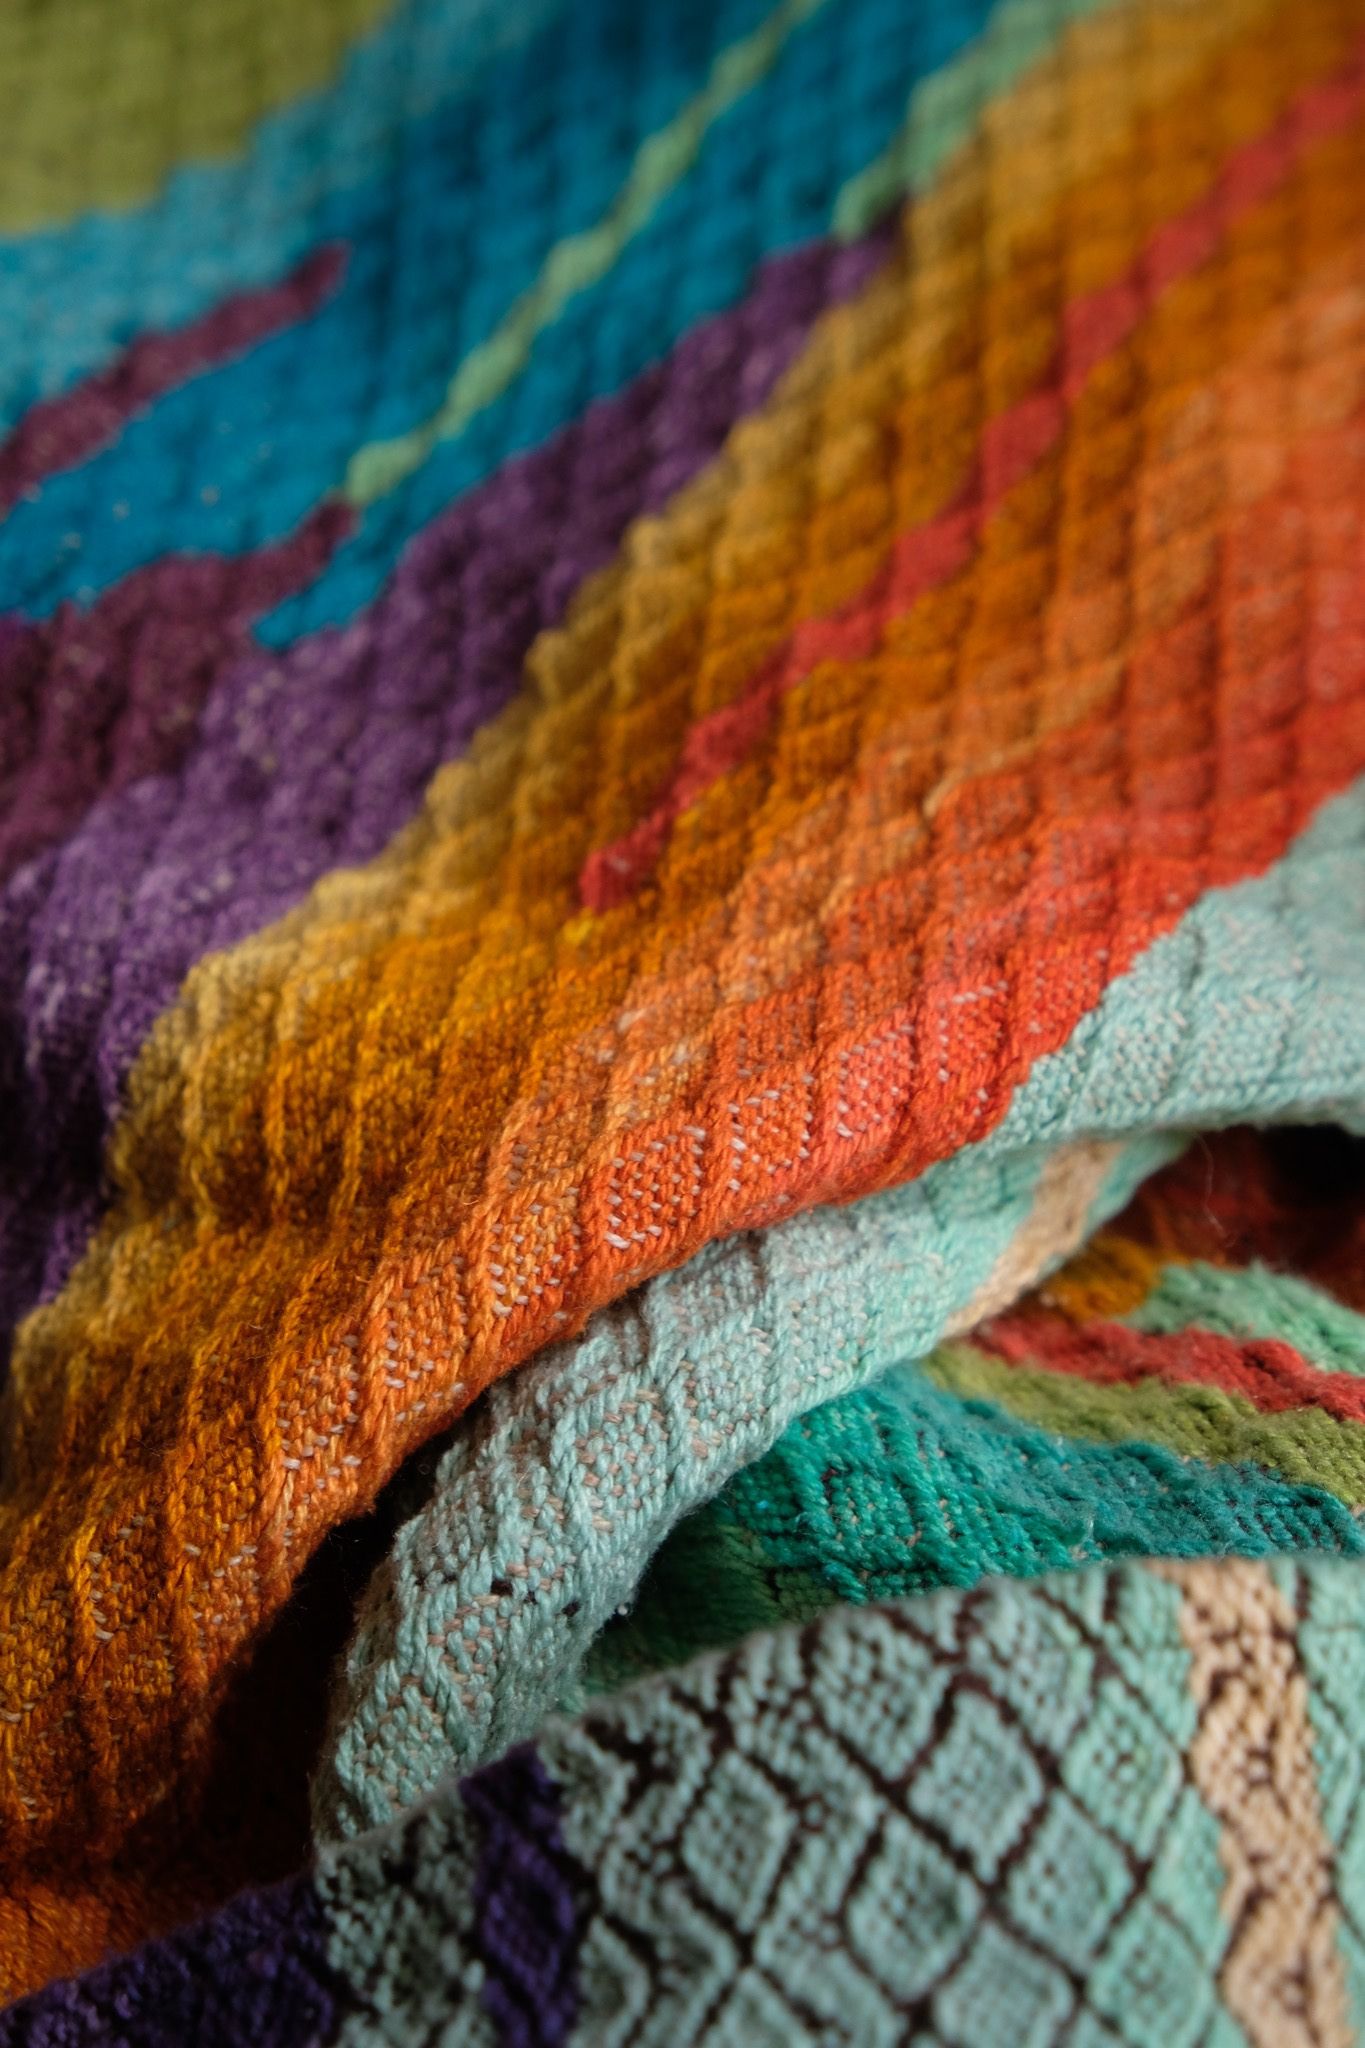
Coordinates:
<point>1055,1225</point>
<point>426,1122</point>
<point>1252,1760</point>
<point>334,1141</point>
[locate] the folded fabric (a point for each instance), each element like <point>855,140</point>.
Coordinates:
<point>677,685</point>
<point>999,1815</point>
<point>1167,1394</point>
<point>545,1512</point>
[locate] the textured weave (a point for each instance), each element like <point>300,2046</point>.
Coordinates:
<point>293,768</point>
<point>620,625</point>
<point>475,1623</point>
<point>924,1480</point>
<point>1103,1808</point>
<point>229,66</point>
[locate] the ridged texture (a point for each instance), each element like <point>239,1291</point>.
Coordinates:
<point>479,1618</point>
<point>441,1113</point>
<point>504,193</point>
<point>475,1625</point>
<point>211,822</point>
<point>229,64</point>
<point>598,686</point>
<point>923,1479</point>
<point>1100,1808</point>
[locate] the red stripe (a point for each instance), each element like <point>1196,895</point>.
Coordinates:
<point>1011,445</point>
<point>60,432</point>
<point>1263,1370</point>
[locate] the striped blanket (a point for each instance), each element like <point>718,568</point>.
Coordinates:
<point>682,1023</point>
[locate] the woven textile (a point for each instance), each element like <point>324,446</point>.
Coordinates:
<point>678,686</point>
<point>1180,1387</point>
<point>1007,1814</point>
<point>475,1623</point>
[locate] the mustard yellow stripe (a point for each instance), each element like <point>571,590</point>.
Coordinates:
<point>944,110</point>
<point>482,884</point>
<point>489,883</point>
<point>1108,1279</point>
<point>682,579</point>
<point>100,100</point>
<point>388,1147</point>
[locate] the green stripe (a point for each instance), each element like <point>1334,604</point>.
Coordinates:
<point>1198,1422</point>
<point>1252,1301</point>
<point>945,108</point>
<point>943,111</point>
<point>579,260</point>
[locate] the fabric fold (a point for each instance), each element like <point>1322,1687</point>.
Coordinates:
<point>550,1503</point>
<point>1045,1842</point>
<point>660,743</point>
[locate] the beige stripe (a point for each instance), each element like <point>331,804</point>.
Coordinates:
<point>1252,1760</point>
<point>1055,1225</point>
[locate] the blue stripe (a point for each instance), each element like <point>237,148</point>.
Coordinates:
<point>430,278</point>
<point>451,224</point>
<point>76,293</point>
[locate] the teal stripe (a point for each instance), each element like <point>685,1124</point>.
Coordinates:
<point>1253,1005</point>
<point>1331,1646</point>
<point>903,1488</point>
<point>580,260</point>
<point>308,171</point>
<point>563,283</point>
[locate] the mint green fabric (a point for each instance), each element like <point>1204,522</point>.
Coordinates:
<point>977,1803</point>
<point>548,1504</point>
<point>901,1488</point>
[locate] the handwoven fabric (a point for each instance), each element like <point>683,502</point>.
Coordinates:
<point>477,1619</point>
<point>1178,1388</point>
<point>679,687</point>
<point>1096,1807</point>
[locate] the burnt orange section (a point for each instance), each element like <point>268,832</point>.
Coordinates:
<point>387,1149</point>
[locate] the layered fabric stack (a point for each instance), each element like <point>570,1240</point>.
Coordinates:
<point>682,1023</point>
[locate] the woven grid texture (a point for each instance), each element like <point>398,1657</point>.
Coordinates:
<point>925,1480</point>
<point>598,684</point>
<point>479,1617</point>
<point>1103,1808</point>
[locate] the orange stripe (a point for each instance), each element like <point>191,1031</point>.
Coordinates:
<point>383,1151</point>
<point>1012,444</point>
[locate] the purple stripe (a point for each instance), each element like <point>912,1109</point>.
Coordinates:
<point>92,701</point>
<point>531,1903</point>
<point>60,432</point>
<point>254,1976</point>
<point>314,758</point>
